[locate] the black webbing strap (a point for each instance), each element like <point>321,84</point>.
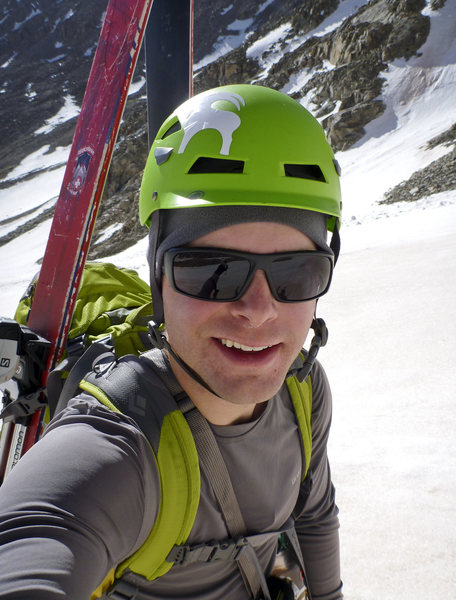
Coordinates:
<point>215,468</point>
<point>77,371</point>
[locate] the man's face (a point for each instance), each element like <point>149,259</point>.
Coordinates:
<point>215,338</point>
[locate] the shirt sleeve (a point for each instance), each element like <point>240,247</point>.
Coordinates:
<point>75,505</point>
<point>318,525</point>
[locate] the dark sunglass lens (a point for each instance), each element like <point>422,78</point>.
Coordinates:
<point>209,276</point>
<point>300,277</point>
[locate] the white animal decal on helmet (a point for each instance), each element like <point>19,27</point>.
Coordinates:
<point>206,116</point>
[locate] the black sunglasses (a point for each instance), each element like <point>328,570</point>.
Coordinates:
<point>224,275</point>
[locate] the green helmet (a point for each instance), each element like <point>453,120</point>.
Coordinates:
<point>241,145</point>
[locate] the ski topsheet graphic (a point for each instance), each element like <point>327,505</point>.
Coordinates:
<point>79,198</point>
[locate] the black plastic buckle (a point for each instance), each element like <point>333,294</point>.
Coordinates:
<point>23,406</point>
<point>156,337</point>
<point>76,346</point>
<point>121,590</point>
<point>229,550</point>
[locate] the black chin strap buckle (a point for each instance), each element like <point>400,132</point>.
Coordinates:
<point>321,332</point>
<point>319,339</point>
<point>156,337</point>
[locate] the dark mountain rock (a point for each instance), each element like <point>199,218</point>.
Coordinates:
<point>357,53</point>
<point>438,176</point>
<point>49,52</point>
<point>235,67</point>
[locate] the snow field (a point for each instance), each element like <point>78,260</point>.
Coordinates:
<point>389,359</point>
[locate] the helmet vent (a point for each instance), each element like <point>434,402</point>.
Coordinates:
<point>174,127</point>
<point>205,164</point>
<point>312,172</point>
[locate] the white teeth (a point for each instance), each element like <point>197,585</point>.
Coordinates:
<point>231,344</point>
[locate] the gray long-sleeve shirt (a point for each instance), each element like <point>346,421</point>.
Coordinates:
<point>86,496</point>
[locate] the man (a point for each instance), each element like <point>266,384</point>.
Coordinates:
<point>239,191</point>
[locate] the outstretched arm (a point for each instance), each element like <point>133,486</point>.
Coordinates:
<point>74,505</point>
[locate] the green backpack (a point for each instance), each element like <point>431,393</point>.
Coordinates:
<point>113,306</point>
<point>112,312</point>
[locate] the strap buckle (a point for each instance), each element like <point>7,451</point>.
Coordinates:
<point>228,550</point>
<point>121,590</point>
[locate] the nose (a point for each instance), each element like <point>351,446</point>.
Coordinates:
<point>257,305</point>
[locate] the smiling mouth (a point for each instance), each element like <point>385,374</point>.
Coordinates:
<point>243,347</point>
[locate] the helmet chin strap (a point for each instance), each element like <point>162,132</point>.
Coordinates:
<point>159,341</point>
<point>299,368</point>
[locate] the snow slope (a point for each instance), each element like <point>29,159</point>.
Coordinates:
<point>391,316</point>
<point>389,359</point>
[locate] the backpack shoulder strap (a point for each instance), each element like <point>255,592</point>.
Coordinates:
<point>301,396</point>
<point>133,387</point>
